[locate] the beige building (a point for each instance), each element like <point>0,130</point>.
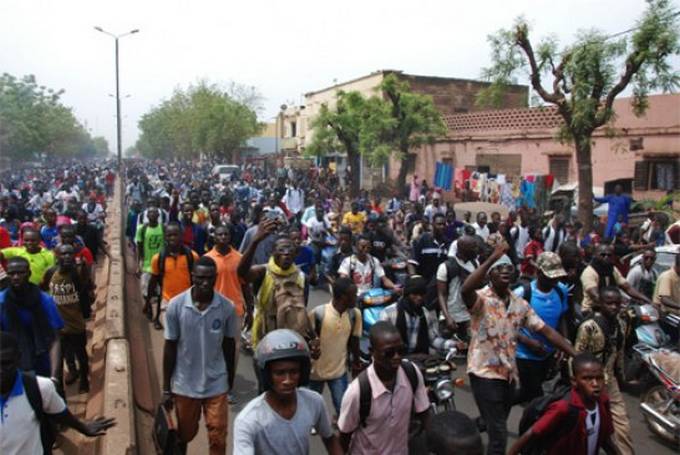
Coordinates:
<point>450,95</point>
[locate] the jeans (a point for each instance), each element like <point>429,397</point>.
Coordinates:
<point>337,387</point>
<point>532,373</point>
<point>494,400</point>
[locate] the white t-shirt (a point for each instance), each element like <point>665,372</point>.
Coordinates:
<point>483,232</point>
<point>454,303</point>
<point>592,429</point>
<point>363,274</point>
<point>521,233</point>
<point>19,426</point>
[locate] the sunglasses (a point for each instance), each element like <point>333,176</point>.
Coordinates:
<point>390,353</point>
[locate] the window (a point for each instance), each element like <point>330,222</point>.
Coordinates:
<point>559,168</point>
<point>657,174</point>
<point>293,129</point>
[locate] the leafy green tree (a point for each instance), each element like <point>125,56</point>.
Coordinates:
<point>204,119</point>
<point>583,79</point>
<point>415,121</point>
<point>33,120</point>
<point>338,129</point>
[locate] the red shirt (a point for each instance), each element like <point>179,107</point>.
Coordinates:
<point>551,425</point>
<point>86,255</point>
<point>531,252</point>
<point>5,240</point>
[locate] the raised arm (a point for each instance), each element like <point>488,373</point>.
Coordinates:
<point>246,271</point>
<point>476,279</point>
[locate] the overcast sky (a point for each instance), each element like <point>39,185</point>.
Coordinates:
<point>283,48</point>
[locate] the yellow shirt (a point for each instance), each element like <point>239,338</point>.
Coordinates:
<point>668,285</point>
<point>356,222</point>
<point>335,334</point>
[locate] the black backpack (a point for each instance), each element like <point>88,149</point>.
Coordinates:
<point>535,410</point>
<point>48,429</point>
<point>163,255</point>
<point>366,394</point>
<point>453,269</point>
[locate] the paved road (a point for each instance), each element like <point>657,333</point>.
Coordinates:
<point>246,386</point>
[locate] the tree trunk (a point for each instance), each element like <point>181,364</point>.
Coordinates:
<point>406,163</point>
<point>585,181</point>
<point>354,160</point>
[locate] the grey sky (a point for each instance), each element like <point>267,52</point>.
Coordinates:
<point>283,48</point>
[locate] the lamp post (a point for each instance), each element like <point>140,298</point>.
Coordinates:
<point>118,118</point>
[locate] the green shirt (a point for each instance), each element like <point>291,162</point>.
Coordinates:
<point>152,242</point>
<point>39,262</point>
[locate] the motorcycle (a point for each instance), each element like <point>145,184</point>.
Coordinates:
<point>437,372</point>
<point>396,268</point>
<point>371,304</point>
<point>660,404</point>
<point>644,321</point>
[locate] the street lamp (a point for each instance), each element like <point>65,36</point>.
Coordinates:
<point>118,118</point>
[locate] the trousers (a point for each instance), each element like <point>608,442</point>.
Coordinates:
<point>216,415</point>
<point>494,401</point>
<point>622,437</point>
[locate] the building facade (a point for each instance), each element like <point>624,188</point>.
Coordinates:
<point>644,150</point>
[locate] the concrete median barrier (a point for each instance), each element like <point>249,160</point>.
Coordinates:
<point>121,439</point>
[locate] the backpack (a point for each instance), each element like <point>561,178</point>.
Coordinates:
<point>48,429</point>
<point>366,395</point>
<point>288,309</point>
<point>535,410</point>
<point>603,324</point>
<point>163,255</point>
<point>526,291</point>
<point>453,269</point>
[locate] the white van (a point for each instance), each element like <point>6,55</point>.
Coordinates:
<point>225,171</point>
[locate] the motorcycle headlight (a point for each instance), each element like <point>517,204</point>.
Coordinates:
<point>443,390</point>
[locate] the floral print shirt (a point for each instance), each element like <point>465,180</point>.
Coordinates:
<point>494,329</point>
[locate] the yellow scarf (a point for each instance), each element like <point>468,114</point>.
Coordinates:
<point>265,294</point>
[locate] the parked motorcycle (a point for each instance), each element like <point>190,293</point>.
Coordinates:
<point>660,404</point>
<point>644,321</point>
<point>438,377</point>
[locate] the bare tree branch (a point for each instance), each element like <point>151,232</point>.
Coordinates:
<point>523,42</point>
<point>633,64</point>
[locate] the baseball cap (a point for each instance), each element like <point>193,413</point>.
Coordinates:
<point>503,260</point>
<point>551,265</point>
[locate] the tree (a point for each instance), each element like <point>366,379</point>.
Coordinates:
<point>204,119</point>
<point>415,122</point>
<point>585,79</point>
<point>33,120</point>
<point>338,129</point>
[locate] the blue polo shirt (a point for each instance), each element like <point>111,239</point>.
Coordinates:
<point>200,370</point>
<point>550,308</point>
<point>42,362</point>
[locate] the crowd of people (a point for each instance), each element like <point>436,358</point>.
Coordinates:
<point>51,233</point>
<point>228,264</point>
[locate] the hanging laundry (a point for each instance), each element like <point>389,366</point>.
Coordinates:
<point>443,175</point>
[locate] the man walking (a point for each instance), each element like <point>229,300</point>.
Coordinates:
<point>338,326</point>
<point>198,358</point>
<point>170,271</point>
<point>396,391</point>
<point>496,317</point>
<point>149,240</point>
<point>32,316</point>
<point>69,291</point>
<point>603,336</point>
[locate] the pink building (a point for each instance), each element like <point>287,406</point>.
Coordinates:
<point>522,141</point>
